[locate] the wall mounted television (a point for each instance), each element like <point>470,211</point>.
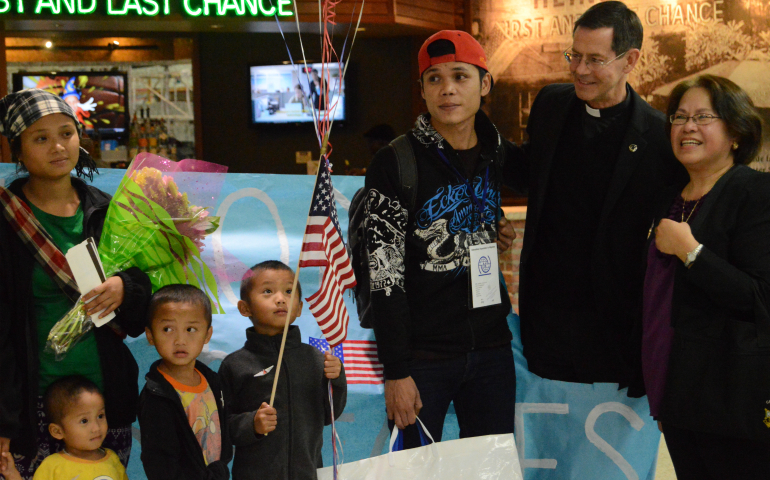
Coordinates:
<point>100,99</point>
<point>283,94</point>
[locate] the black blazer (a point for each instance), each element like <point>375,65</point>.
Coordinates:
<point>645,165</point>
<point>719,368</point>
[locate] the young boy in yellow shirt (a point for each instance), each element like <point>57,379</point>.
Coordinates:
<point>75,408</point>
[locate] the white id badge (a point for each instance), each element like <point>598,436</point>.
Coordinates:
<point>485,275</point>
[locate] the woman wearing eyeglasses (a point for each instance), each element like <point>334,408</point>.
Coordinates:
<point>706,309</point>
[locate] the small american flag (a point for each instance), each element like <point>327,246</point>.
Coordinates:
<point>323,346</point>
<point>360,358</point>
<point>323,247</point>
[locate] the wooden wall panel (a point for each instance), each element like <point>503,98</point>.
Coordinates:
<point>375,11</point>
<point>430,14</point>
<point>438,14</point>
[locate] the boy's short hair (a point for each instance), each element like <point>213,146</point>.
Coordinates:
<point>179,293</point>
<point>61,394</point>
<point>248,277</point>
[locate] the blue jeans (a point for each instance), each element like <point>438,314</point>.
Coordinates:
<point>482,385</point>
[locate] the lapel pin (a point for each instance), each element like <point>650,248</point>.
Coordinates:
<point>632,147</point>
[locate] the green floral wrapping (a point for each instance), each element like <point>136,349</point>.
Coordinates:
<point>151,225</point>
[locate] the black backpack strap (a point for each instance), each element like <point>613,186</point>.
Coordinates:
<point>407,170</point>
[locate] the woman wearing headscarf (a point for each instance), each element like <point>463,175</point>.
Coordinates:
<point>46,212</point>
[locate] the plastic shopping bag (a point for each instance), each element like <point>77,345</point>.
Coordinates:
<point>491,457</point>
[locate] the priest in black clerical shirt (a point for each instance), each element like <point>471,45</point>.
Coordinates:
<point>597,155</point>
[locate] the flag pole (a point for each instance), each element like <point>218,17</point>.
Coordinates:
<point>296,280</point>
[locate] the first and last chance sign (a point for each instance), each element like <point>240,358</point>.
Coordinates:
<point>150,8</point>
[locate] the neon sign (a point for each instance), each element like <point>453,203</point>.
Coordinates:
<point>153,8</point>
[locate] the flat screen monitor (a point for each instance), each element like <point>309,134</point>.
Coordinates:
<point>99,98</point>
<point>282,94</point>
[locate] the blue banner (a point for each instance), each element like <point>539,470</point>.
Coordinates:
<point>563,430</point>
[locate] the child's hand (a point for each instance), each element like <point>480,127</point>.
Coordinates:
<point>9,469</point>
<point>332,366</point>
<point>265,419</point>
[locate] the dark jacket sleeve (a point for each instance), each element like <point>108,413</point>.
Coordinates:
<point>339,395</point>
<point>10,383</point>
<point>161,449</point>
<point>240,424</point>
<point>385,224</point>
<point>516,167</point>
<point>132,313</point>
<point>741,283</point>
<point>163,457</point>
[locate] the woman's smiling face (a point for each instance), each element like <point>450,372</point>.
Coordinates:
<point>701,147</point>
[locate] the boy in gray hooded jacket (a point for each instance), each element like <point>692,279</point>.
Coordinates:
<point>280,441</point>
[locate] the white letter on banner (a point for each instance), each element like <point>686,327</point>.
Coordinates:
<point>605,447</point>
<point>521,409</point>
<point>216,237</point>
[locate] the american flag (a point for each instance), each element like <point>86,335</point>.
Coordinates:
<point>323,247</point>
<point>360,358</point>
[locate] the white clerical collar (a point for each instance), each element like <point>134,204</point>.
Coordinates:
<point>593,111</point>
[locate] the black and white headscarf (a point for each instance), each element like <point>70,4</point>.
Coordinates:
<point>19,110</point>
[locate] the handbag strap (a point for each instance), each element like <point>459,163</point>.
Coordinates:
<point>397,440</point>
<point>39,242</point>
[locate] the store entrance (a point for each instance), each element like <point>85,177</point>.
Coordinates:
<point>132,95</point>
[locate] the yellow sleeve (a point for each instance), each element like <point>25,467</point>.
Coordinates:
<point>119,468</point>
<point>46,470</point>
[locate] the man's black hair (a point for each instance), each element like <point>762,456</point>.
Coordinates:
<point>179,293</point>
<point>248,278</point>
<point>627,32</point>
<point>62,393</point>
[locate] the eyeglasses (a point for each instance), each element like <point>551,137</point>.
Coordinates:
<point>700,119</point>
<point>592,63</point>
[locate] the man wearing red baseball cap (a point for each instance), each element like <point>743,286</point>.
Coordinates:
<point>439,306</point>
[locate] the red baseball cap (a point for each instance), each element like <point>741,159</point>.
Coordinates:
<point>467,50</point>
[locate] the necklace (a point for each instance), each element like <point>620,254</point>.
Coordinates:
<point>684,205</point>
<point>684,200</point>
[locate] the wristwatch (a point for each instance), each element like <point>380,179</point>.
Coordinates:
<point>692,255</point>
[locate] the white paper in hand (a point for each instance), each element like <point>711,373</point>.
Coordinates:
<point>88,272</point>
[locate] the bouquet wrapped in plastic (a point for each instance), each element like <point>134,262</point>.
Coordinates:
<point>156,221</point>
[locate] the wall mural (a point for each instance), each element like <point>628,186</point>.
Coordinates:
<point>525,40</point>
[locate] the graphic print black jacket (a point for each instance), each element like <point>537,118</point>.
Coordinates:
<point>418,260</point>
